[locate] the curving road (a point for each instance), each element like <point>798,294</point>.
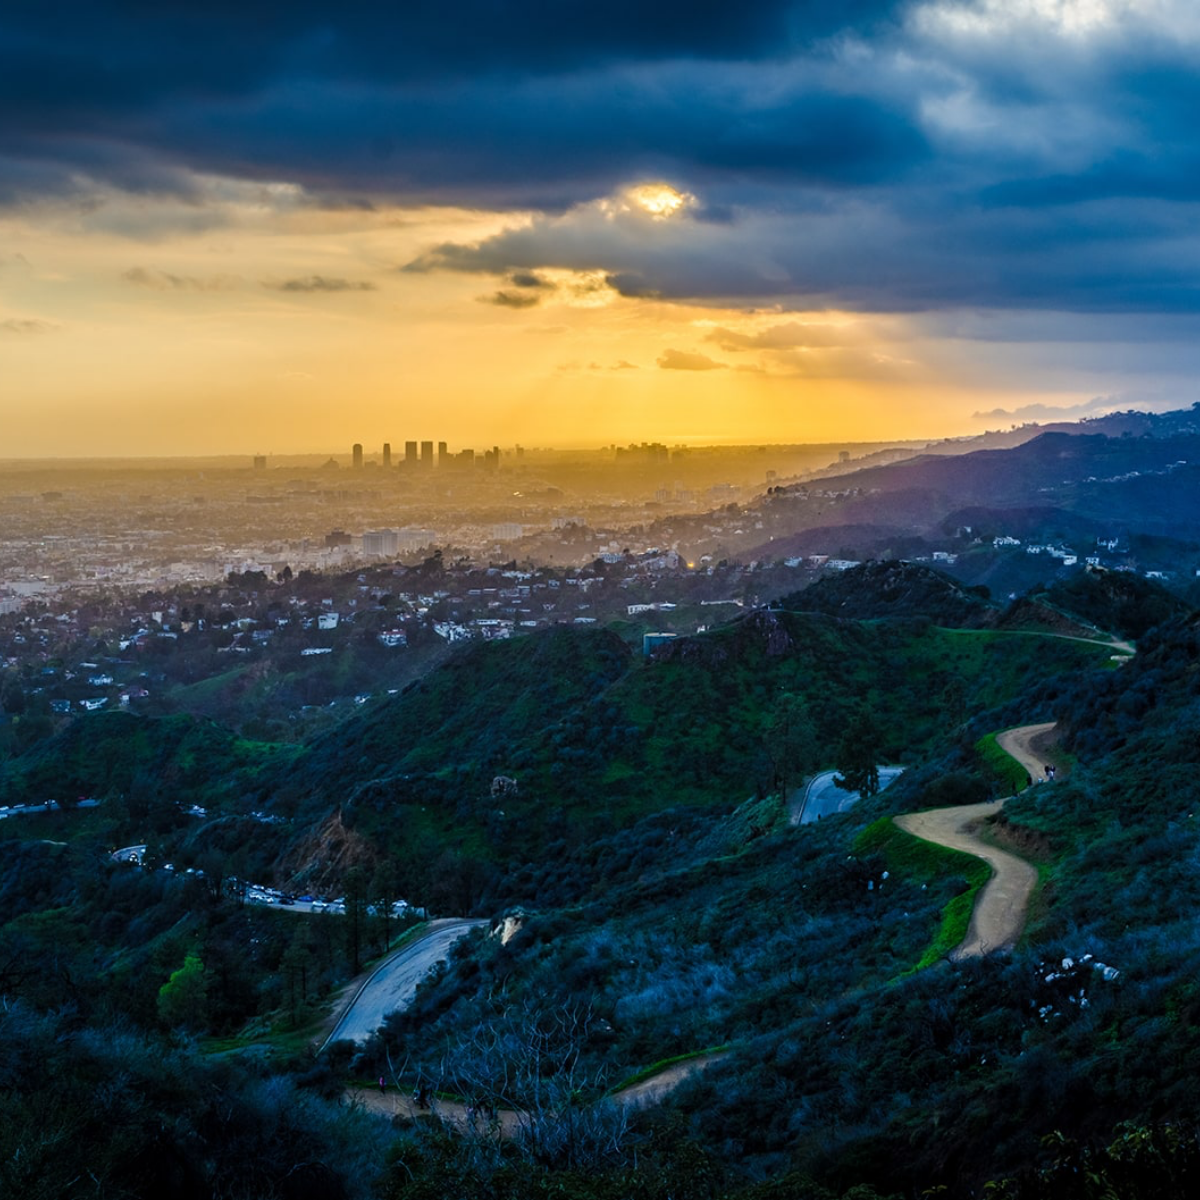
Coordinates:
<point>393,983</point>
<point>821,797</point>
<point>1003,902</point>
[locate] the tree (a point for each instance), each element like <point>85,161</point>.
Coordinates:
<point>528,1060</point>
<point>858,754</point>
<point>183,999</point>
<point>790,742</point>
<point>356,915</point>
<point>295,965</point>
<point>383,893</point>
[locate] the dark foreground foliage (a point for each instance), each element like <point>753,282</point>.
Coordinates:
<point>662,905</point>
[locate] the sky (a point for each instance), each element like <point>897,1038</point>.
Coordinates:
<point>285,227</point>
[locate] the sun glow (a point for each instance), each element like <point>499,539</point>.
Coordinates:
<point>657,200</point>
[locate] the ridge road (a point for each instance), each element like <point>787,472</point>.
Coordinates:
<point>1000,909</point>
<point>393,983</point>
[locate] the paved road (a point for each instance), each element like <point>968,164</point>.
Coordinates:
<point>393,983</point>
<point>821,797</point>
<point>22,810</point>
<point>1003,902</point>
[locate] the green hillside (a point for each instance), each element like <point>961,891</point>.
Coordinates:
<point>595,737</point>
<point>665,905</point>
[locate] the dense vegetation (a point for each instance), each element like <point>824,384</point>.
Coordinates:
<point>663,905</point>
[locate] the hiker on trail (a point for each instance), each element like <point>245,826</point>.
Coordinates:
<point>382,1086</point>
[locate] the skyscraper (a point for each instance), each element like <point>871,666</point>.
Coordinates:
<point>387,455</point>
<point>427,455</point>
<point>443,454</point>
<point>357,453</point>
<point>410,454</point>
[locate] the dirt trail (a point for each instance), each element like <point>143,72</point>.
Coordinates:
<point>999,914</point>
<point>662,1083</point>
<point>393,1103</point>
<point>1024,744</point>
<point>1002,904</point>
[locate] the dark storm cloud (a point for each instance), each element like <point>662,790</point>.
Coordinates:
<point>896,155</point>
<point>486,100</point>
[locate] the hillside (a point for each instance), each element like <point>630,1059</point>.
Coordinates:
<point>592,738</point>
<point>663,898</point>
<point>798,949</point>
<point>894,588</point>
<point>1074,484</point>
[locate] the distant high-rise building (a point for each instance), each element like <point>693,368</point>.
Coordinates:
<point>443,454</point>
<point>410,454</point>
<point>427,455</point>
<point>520,451</point>
<point>387,455</point>
<point>357,453</point>
<point>380,543</point>
<point>465,458</point>
<point>260,462</point>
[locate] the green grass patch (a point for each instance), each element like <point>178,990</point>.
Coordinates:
<point>280,1037</point>
<point>927,862</point>
<point>409,936</point>
<point>660,1066</point>
<point>1001,766</point>
<point>956,920</point>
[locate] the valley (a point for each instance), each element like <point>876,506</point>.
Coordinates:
<point>719,971</point>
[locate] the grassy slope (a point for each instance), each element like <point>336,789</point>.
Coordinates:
<point>1001,766</point>
<point>924,862</point>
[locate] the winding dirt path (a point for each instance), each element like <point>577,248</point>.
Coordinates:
<point>660,1085</point>
<point>398,1104</point>
<point>1003,902</point>
<point>393,1103</point>
<point>999,914</point>
<point>1020,743</point>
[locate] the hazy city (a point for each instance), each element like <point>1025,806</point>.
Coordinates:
<point>149,523</point>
